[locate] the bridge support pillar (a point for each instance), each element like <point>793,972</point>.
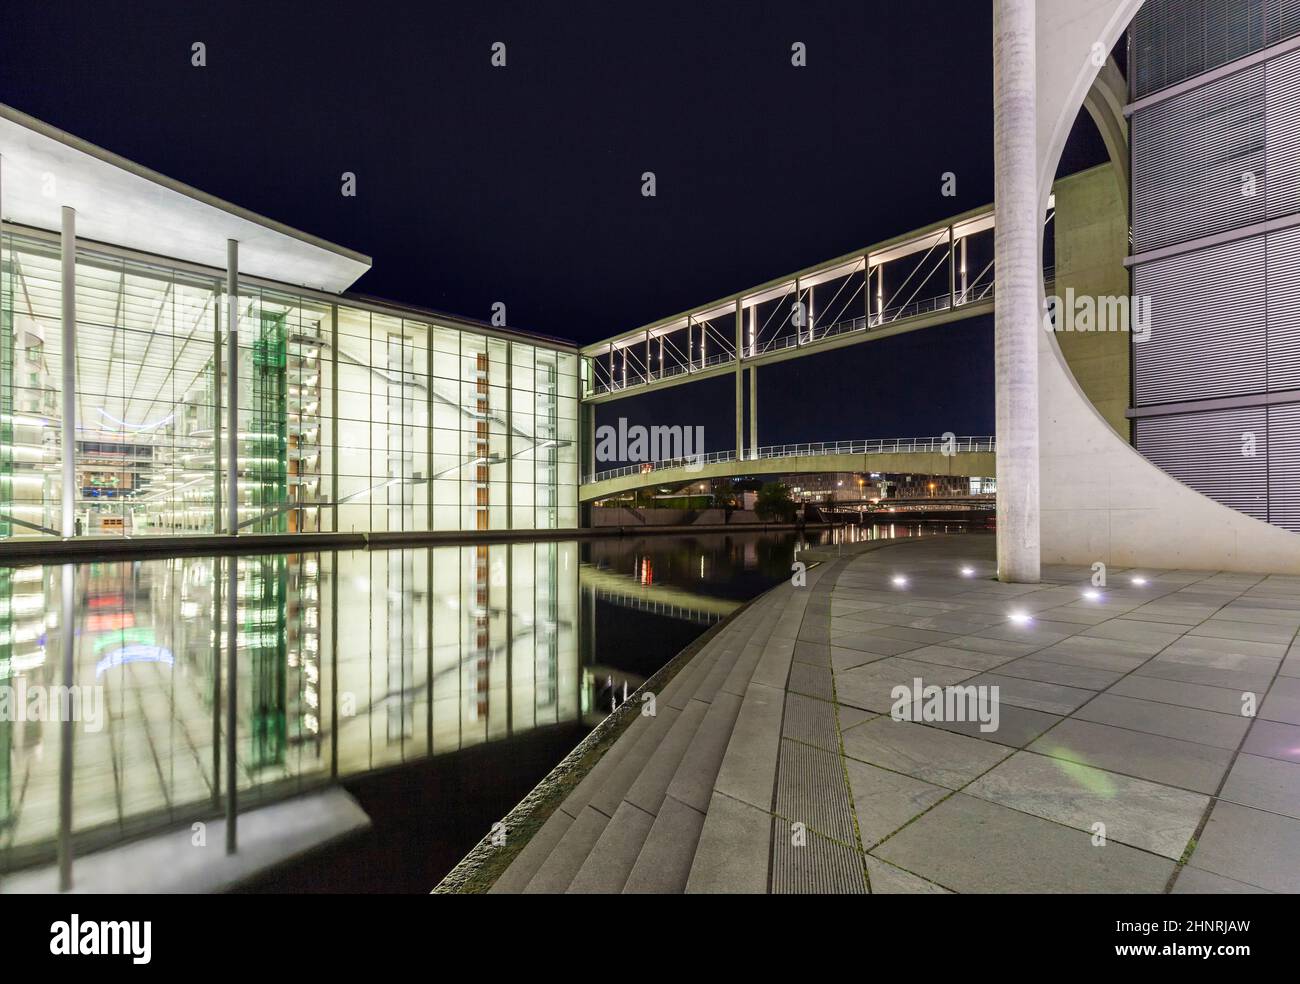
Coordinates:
<point>740,385</point>
<point>1018,267</point>
<point>753,410</point>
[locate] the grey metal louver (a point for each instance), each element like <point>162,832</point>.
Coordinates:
<point>1192,157</point>
<point>1207,334</point>
<point>1174,40</point>
<point>1284,466</point>
<point>1205,452</point>
<point>1283,310</point>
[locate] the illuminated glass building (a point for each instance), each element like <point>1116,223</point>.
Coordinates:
<point>353,415</point>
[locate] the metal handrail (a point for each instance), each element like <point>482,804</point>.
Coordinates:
<point>946,444</point>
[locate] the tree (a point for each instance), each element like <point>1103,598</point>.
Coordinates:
<point>774,503</point>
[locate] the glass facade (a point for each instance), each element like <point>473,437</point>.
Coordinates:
<point>347,662</point>
<point>351,419</point>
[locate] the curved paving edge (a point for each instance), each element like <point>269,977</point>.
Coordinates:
<point>485,862</point>
<point>1120,759</point>
<point>633,821</point>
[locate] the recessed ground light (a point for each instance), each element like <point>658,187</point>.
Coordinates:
<point>1139,580</point>
<point>900,580</point>
<point>1020,618</point>
<point>1092,594</point>
<point>967,572</point>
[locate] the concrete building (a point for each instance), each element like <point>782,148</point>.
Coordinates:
<point>1101,498</point>
<point>1216,247</point>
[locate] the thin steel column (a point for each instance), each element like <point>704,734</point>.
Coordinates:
<point>753,411</point>
<point>510,637</point>
<point>232,387</point>
<point>334,664</point>
<point>428,471</point>
<point>232,690</point>
<point>217,613</point>
<point>740,385</point>
<point>68,260</point>
<point>510,437</point>
<point>334,408</point>
<point>589,439</point>
<point>68,627</point>
<point>866,285</point>
<point>690,347</point>
<point>963,269</point>
<point>952,270</point>
<point>216,411</point>
<point>800,312</point>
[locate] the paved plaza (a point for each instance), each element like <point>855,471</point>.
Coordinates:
<point>1147,740</point>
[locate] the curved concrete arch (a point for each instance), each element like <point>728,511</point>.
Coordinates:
<point>1100,499</point>
<point>1105,104</point>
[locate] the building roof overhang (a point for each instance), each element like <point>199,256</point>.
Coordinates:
<point>120,202</point>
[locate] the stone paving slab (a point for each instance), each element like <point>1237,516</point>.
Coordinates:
<point>928,754</point>
<point>1141,814</point>
<point>1168,720</point>
<point>1182,764</point>
<point>1126,706</point>
<point>886,879</point>
<point>1273,739</point>
<point>971,845</point>
<point>1251,846</point>
<point>884,801</point>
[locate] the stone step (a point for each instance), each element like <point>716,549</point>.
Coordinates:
<point>592,841</point>
<point>733,843</point>
<point>664,862</point>
<point>555,854</point>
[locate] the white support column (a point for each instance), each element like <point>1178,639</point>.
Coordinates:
<point>753,412</point>
<point>740,383</point>
<point>68,288</point>
<point>952,270</point>
<point>232,388</point>
<point>1017,269</point>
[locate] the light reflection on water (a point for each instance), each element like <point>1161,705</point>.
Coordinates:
<point>347,663</point>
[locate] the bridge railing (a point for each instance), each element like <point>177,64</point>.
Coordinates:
<point>946,444</point>
<point>982,288</point>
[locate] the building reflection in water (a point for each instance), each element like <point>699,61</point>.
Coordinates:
<point>345,663</point>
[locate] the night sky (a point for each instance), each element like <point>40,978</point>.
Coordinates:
<point>522,184</point>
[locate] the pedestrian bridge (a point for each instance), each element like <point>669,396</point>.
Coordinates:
<point>944,455</point>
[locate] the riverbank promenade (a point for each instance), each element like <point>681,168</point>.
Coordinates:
<point>1141,736</point>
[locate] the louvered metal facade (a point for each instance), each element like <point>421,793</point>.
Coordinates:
<point>1175,40</point>
<point>1216,236</point>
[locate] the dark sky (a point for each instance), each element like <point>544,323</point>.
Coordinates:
<point>523,185</point>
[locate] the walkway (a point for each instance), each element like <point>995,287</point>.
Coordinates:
<point>966,456</point>
<point>1121,709</point>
